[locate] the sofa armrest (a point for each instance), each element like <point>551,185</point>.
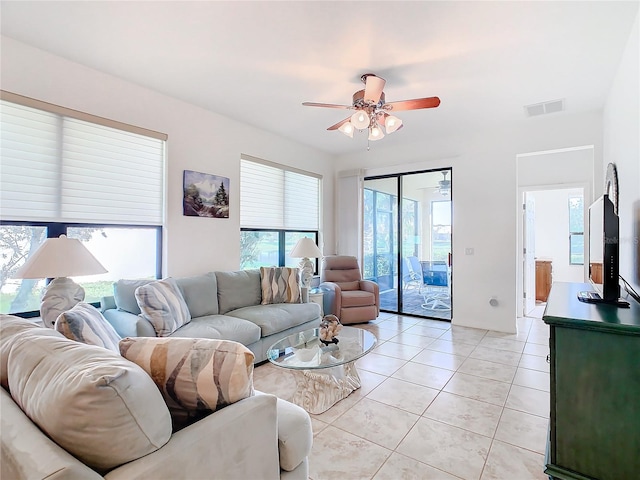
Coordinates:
<point>128,324</point>
<point>334,294</point>
<point>108,303</point>
<point>238,442</point>
<point>372,287</point>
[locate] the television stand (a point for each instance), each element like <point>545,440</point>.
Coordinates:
<point>594,387</point>
<point>594,297</point>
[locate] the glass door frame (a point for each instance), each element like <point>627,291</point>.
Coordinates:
<point>398,231</point>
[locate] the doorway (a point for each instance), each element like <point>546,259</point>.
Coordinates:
<point>407,239</point>
<point>553,242</point>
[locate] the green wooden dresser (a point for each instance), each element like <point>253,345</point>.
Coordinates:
<point>595,388</point>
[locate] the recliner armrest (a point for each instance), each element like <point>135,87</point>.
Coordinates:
<point>372,287</point>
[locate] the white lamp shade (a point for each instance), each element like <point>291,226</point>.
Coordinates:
<point>360,120</point>
<point>60,257</point>
<point>305,248</point>
<point>347,129</point>
<point>375,133</point>
<point>392,123</point>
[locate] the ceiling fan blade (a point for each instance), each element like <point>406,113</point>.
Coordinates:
<point>415,104</point>
<point>327,105</point>
<point>373,88</point>
<point>339,124</point>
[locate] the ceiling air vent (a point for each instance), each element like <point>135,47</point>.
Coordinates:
<point>552,106</point>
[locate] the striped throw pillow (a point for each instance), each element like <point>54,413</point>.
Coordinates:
<point>85,324</point>
<point>194,374</point>
<point>279,285</point>
<point>163,305</point>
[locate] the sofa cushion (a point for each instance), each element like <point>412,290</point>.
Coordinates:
<point>85,324</point>
<point>194,374</point>
<point>101,408</point>
<point>238,289</point>
<point>124,294</point>
<point>200,294</point>
<point>12,328</point>
<point>162,304</point>
<point>279,285</point>
<point>220,327</point>
<point>278,317</point>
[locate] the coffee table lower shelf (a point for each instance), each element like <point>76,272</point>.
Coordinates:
<point>318,390</point>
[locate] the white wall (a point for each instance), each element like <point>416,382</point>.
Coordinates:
<point>552,232</point>
<point>198,140</point>
<point>622,147</point>
<point>485,206</point>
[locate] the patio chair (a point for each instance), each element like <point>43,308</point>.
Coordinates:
<point>410,276</point>
<point>435,288</point>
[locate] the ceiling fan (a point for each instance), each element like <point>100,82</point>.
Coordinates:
<point>444,185</point>
<point>372,112</point>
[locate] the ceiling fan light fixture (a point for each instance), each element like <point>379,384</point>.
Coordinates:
<point>347,129</point>
<point>392,123</point>
<point>444,185</point>
<point>375,133</point>
<point>360,120</point>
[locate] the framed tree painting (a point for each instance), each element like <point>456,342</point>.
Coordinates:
<point>205,195</point>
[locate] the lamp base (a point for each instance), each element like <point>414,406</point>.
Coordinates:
<point>306,272</point>
<point>60,295</point>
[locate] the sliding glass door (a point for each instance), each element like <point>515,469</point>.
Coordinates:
<point>407,242</point>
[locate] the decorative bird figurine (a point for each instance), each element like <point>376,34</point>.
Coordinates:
<point>329,328</point>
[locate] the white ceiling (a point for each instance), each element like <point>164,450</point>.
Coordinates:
<point>258,61</point>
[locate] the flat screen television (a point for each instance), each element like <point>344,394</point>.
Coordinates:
<point>603,250</point>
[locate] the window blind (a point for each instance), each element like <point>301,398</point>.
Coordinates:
<point>277,197</point>
<point>56,167</point>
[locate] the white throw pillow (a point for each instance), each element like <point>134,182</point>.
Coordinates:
<point>162,304</point>
<point>85,324</point>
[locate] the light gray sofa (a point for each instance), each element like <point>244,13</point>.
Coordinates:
<point>223,305</point>
<point>259,437</point>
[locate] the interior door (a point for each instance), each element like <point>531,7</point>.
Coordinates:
<point>529,285</point>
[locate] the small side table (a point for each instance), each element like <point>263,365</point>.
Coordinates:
<point>317,296</point>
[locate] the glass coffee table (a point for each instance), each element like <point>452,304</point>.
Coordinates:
<point>325,374</point>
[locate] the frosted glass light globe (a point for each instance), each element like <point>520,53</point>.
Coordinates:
<point>360,120</point>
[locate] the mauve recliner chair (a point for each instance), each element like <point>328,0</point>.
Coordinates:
<point>352,299</point>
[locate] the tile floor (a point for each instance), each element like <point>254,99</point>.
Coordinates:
<point>437,402</point>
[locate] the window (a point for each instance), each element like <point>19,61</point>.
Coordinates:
<point>278,206</point>
<point>66,172</point>
<point>440,230</point>
<point>576,230</point>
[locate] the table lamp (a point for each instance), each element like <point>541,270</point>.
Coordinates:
<point>59,258</point>
<point>306,249</point>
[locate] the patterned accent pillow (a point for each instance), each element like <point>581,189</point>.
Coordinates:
<point>163,305</point>
<point>279,285</point>
<point>194,375</point>
<point>85,324</point>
